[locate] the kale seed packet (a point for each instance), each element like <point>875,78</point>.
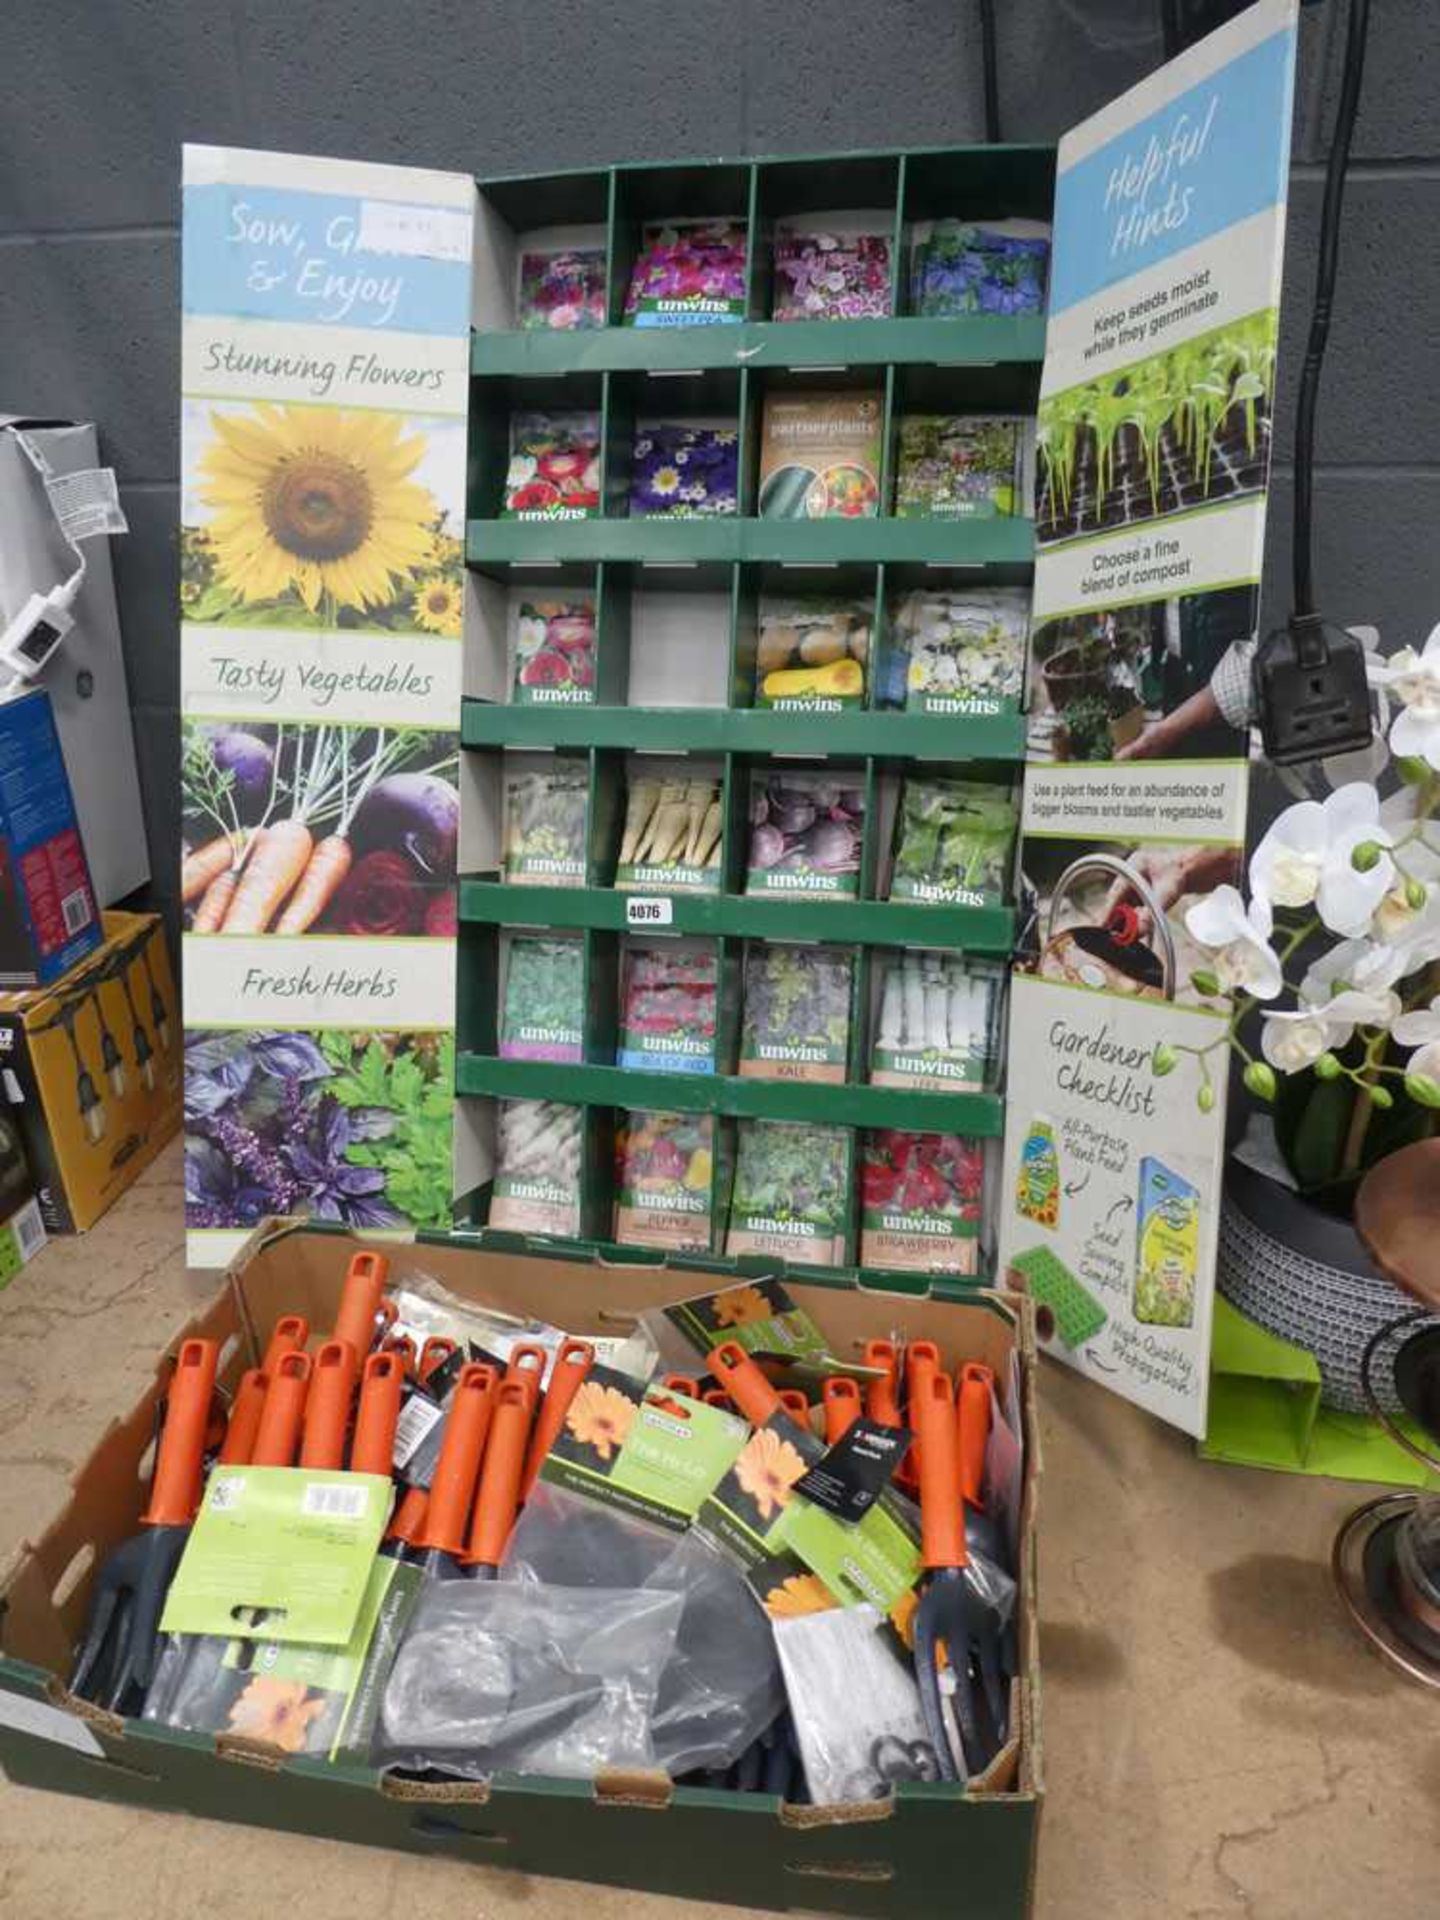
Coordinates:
<point>796,1023</point>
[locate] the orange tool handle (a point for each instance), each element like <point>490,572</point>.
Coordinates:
<point>409,1517</point>
<point>682,1383</point>
<point>942,1516</point>
<point>245,1411</point>
<point>840,1397</point>
<point>744,1382</point>
<point>796,1405</point>
<point>403,1347</point>
<point>175,1491</point>
<point>284,1410</point>
<point>499,1495</point>
<point>435,1352</point>
<point>527,1363</point>
<point>921,1357</point>
<point>289,1336</point>
<point>572,1363</point>
<point>882,1403</point>
<point>360,1301</point>
<point>718,1397</point>
<point>452,1486</point>
<point>373,1448</point>
<point>327,1406</point>
<point>973,1389</point>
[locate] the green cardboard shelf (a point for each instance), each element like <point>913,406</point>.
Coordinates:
<point>1003,548</point>
<point>817,1103</point>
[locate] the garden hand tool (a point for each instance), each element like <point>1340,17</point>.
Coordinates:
<point>527,1363</point>
<point>441,1536</point>
<point>289,1336</point>
<point>752,1393</point>
<point>284,1410</point>
<point>405,1523</point>
<point>796,1405</point>
<point>360,1301</point>
<point>922,1357</point>
<point>498,1499</point>
<point>882,1399</point>
<point>327,1406</point>
<point>840,1400</point>
<point>974,1385</point>
<point>130,1588</point>
<point>403,1347</point>
<point>954,1617</point>
<point>682,1383</point>
<point>244,1424</point>
<point>373,1448</point>
<point>718,1397</point>
<point>572,1363</point>
<point>433,1355</point>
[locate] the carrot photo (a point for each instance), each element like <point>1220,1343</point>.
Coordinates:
<point>315,517</point>
<point>315,829</point>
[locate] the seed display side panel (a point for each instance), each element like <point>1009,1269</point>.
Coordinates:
<point>324,373</point>
<point>1154,457</point>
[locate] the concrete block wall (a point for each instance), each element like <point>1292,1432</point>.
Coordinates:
<point>102,96</point>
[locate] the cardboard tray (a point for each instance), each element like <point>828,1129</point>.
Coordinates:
<point>931,1848</point>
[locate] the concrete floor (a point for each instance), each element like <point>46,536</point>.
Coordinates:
<point>1217,1742</point>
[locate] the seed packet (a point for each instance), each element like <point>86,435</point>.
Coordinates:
<point>690,273</point>
<point>543,1013</point>
<point>536,1186</point>
<point>554,471</point>
<point>563,289</point>
<point>684,470</point>
<point>664,1166</point>
<point>964,650</point>
<point>979,266</point>
<point>953,842</point>
<point>824,273</point>
<point>811,655</point>
<point>667,1011</point>
<point>544,843</point>
<point>1167,1246</point>
<point>938,1023</point>
<point>921,1200</point>
<point>806,834</point>
<point>672,834</point>
<point>954,466</point>
<point>792,1193</point>
<point>555,653</point>
<point>796,1024</point>
<point>820,456</point>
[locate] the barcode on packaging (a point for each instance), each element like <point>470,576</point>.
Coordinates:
<point>328,1500</point>
<point>418,1417</point>
<point>29,1229</point>
<point>75,910</point>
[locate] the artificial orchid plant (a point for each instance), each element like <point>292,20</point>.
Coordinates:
<point>1348,887</point>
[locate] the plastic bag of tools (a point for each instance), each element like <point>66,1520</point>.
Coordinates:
<point>421,1310</point>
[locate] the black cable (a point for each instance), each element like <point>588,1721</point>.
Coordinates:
<point>1170,37</point>
<point>992,71</point>
<point>1325,273</point>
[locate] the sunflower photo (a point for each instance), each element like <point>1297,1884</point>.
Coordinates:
<point>322,518</point>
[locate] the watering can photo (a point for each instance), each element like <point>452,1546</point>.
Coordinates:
<point>1115,956</point>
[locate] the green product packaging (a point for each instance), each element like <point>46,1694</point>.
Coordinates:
<point>792,1197</point>
<point>544,840</point>
<point>664,1181</point>
<point>956,467</point>
<point>953,842</point>
<point>543,1009</point>
<point>536,1188</point>
<point>938,1022</point>
<point>673,830</point>
<point>759,1315</point>
<point>796,1023</point>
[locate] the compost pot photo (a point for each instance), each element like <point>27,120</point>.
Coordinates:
<point>1116,956</point>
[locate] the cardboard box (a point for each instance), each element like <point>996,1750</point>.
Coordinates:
<point>967,1852</point>
<point>22,1231</point>
<point>48,916</point>
<point>92,1070</point>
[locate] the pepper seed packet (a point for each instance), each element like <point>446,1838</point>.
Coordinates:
<point>921,1199</point>
<point>536,1188</point>
<point>554,471</point>
<point>956,467</point>
<point>562,290</point>
<point>820,456</point>
<point>979,266</point>
<point>682,470</point>
<point>555,653</point>
<point>689,273</point>
<point>823,274</point>
<point>664,1168</point>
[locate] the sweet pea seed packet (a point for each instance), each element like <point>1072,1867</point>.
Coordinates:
<point>979,266</point>
<point>683,471</point>
<point>554,471</point>
<point>954,467</point>
<point>820,456</point>
<point>690,273</point>
<point>555,653</point>
<point>824,274</point>
<point>562,289</point>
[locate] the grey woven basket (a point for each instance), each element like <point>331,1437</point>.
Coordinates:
<point>1304,1277</point>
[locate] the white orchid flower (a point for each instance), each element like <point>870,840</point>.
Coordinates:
<point>1420,1027</point>
<point>1295,1040</point>
<point>1308,856</point>
<point>1237,938</point>
<point>1369,966</point>
<point>1424,1063</point>
<point>1414,680</point>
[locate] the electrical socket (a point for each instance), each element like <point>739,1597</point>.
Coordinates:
<point>1311,692</point>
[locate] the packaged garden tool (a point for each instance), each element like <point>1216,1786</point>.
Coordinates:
<point>811,655</point>
<point>921,1201</point>
<point>542,1012</point>
<point>536,1186</point>
<point>673,827</point>
<point>957,467</point>
<point>938,1022</point>
<point>430,1312</point>
<point>544,837</point>
<point>958,651</point>
<point>807,831</point>
<point>668,1003</point>
<point>855,1708</point>
<point>561,289</point>
<point>524,1678</point>
<point>684,469</point>
<point>792,1192</point>
<point>122,1636</point>
<point>978,266</point>
<point>954,841</point>
<point>820,455</point>
<point>796,1022</point>
<point>554,471</point>
<point>838,269</point>
<point>443,1535</point>
<point>664,1180</point>
<point>554,653</point>
<point>689,273</point>
<point>498,1495</point>
<point>573,1365</point>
